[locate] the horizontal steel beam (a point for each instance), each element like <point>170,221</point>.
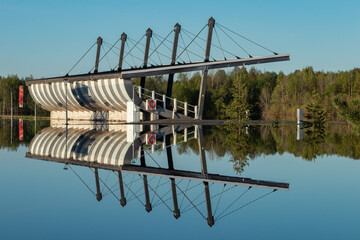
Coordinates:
<point>166,69</point>
<point>161,172</point>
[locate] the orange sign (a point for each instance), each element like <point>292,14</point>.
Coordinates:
<point>21,130</point>
<point>21,96</point>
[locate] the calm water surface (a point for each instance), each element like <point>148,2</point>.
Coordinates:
<point>231,186</point>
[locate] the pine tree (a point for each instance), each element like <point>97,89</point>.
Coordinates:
<point>239,106</point>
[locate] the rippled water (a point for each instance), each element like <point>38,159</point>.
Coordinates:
<point>71,183</point>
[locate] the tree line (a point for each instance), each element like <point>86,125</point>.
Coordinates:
<point>257,94</point>
<point>235,94</point>
<point>10,86</point>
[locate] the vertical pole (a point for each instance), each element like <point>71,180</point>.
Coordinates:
<point>185,108</point>
<point>299,116</point>
<point>66,102</point>
<point>175,108</point>
<point>185,135</point>
<point>98,192</point>
<point>210,219</point>
<point>99,43</point>
<point>146,115</point>
<point>122,193</point>
<point>140,91</point>
<point>35,110</point>
<point>122,48</point>
<point>146,54</point>
<point>11,106</point>
<point>177,29</point>
<point>35,118</point>
<point>202,92</point>
<point>164,101</point>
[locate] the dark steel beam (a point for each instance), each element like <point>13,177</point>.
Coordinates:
<point>122,48</point>
<point>202,92</point>
<point>146,55</point>
<point>177,29</point>
<point>167,69</point>
<point>99,43</point>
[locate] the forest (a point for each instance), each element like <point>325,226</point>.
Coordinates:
<point>230,94</point>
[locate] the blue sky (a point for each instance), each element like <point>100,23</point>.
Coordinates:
<point>45,38</point>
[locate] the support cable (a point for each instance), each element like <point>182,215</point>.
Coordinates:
<point>134,194</point>
<point>106,57</point>
<point>107,187</point>
<point>217,36</point>
<point>246,204</point>
<point>161,42</point>
<point>192,41</point>
<point>156,203</point>
<point>246,38</point>
<point>212,44</point>
<point>184,195</point>
<point>159,197</point>
<point>158,37</point>
<point>82,180</point>
<point>117,54</point>
<point>235,42</point>
<point>234,202</point>
<point>81,58</point>
<point>156,188</point>
<point>155,50</point>
<point>217,205</point>
<point>132,57</point>
<point>133,46</point>
<point>191,202</point>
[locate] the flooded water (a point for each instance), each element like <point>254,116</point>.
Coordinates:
<point>178,182</point>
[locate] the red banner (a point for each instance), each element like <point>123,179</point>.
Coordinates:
<point>21,96</point>
<point>21,130</point>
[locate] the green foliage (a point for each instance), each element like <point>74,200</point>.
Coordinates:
<point>10,86</point>
<point>315,111</point>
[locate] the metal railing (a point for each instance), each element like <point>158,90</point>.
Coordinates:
<point>176,105</point>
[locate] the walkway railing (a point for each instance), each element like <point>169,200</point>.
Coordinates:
<point>175,105</point>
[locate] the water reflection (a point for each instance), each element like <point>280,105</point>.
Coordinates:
<point>124,152</point>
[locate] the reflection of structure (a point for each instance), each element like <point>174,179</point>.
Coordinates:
<point>115,151</point>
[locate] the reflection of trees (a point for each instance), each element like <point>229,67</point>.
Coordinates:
<point>28,131</point>
<point>314,138</point>
<point>237,142</point>
<point>337,139</point>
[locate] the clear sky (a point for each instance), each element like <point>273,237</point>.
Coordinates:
<point>45,38</point>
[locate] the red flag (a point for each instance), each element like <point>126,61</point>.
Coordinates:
<point>21,130</point>
<point>21,96</point>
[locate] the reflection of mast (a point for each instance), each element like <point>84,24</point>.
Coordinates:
<point>176,210</point>
<point>98,193</point>
<point>121,186</point>
<point>210,218</point>
<point>146,186</point>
